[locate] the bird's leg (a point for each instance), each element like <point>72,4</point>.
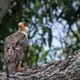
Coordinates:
<point>19,67</point>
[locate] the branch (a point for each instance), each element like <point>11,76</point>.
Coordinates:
<point>68,69</point>
<point>4,6</point>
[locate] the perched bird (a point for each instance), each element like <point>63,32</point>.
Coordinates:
<point>15,45</point>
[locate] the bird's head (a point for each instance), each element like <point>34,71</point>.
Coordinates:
<point>23,27</point>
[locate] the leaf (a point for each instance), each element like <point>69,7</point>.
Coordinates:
<point>49,37</point>
<point>45,53</point>
<point>34,33</point>
<point>46,29</point>
<point>37,5</point>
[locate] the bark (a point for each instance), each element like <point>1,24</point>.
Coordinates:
<point>4,6</point>
<point>68,69</point>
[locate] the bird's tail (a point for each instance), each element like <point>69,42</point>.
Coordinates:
<point>7,72</point>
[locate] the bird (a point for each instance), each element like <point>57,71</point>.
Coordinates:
<point>14,48</point>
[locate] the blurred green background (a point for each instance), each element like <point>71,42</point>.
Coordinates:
<point>54,29</point>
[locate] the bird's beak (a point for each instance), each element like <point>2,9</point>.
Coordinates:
<point>26,30</point>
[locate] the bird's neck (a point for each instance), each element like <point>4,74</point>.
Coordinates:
<point>24,32</point>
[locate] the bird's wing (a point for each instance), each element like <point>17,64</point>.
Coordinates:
<point>14,47</point>
<point>9,52</point>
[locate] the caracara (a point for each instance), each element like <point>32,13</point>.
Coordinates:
<point>15,45</point>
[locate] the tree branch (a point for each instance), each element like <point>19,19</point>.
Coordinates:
<point>68,69</point>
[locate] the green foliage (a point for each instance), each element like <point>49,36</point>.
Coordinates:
<point>40,16</point>
<point>43,56</point>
